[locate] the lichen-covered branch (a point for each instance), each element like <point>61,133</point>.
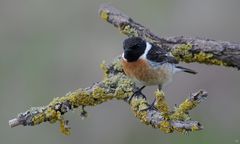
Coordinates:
<point>201,50</point>
<point>115,85</point>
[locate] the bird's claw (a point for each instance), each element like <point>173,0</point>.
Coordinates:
<point>151,106</point>
<point>137,93</point>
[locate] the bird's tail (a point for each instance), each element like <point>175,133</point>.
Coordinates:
<point>186,70</point>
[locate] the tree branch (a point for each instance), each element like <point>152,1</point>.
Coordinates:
<point>116,85</point>
<point>201,50</point>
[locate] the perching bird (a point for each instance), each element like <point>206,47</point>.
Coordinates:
<point>149,64</point>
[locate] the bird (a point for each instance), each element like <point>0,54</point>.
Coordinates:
<point>149,64</point>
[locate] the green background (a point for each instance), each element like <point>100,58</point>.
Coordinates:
<point>51,47</point>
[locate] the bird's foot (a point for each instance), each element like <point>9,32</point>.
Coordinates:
<point>151,106</point>
<point>137,93</point>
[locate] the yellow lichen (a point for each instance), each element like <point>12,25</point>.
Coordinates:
<point>179,115</point>
<point>80,97</point>
<point>166,127</point>
<point>207,58</point>
<point>64,127</point>
<point>104,15</point>
<point>37,119</point>
<point>142,115</point>
<point>117,65</point>
<point>98,93</point>
<point>195,128</point>
<point>128,30</point>
<point>138,106</point>
<point>181,111</point>
<point>124,89</point>
<point>103,66</point>
<point>182,52</point>
<point>124,84</point>
<point>120,93</point>
<point>187,105</point>
<point>161,103</point>
<point>51,114</point>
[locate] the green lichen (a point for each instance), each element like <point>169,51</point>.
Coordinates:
<point>161,103</point>
<point>139,106</point>
<point>117,65</point>
<point>182,53</point>
<point>207,58</point>
<point>120,82</point>
<point>100,95</point>
<point>181,111</point>
<point>124,89</point>
<point>122,85</point>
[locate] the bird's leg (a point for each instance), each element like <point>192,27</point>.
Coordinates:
<point>160,87</point>
<point>83,113</point>
<point>152,105</point>
<point>138,92</point>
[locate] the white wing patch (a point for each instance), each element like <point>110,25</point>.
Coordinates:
<point>148,47</point>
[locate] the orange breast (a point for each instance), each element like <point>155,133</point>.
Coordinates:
<point>144,73</point>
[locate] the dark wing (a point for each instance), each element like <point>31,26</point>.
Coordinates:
<point>159,55</point>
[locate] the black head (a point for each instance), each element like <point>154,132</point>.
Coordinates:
<point>133,47</point>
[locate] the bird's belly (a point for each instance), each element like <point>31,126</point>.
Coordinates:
<point>142,72</point>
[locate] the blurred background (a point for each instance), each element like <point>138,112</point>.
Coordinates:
<point>51,47</point>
